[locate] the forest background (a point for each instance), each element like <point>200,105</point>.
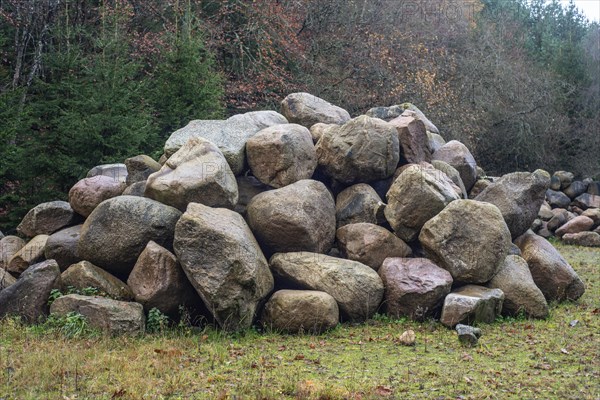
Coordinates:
<point>85,82</point>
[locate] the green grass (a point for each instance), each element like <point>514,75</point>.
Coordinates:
<point>516,358</point>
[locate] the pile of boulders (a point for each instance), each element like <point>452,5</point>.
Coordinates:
<point>571,211</point>
<point>295,221</point>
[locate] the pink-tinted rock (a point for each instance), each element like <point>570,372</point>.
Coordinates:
<point>587,239</point>
<point>86,194</point>
<point>576,225</point>
<point>414,287</point>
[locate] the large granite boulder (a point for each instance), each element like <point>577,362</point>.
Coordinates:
<point>139,168</point>
<point>551,273</point>
<point>47,218</point>
<point>297,217</point>
<point>110,316</point>
<point>358,203</point>
<point>306,110</point>
<point>300,311</point>
<point>418,194</point>
<point>229,135</point>
<point>117,231</point>
<point>471,304</point>
<point>519,197</point>
<point>521,295</point>
<point>421,116</point>
<point>364,149</point>
<point>224,262</point>
<point>196,173</point>
<point>575,189</point>
<point>31,253</point>
<point>356,287</point>
<point>86,194</point>
<point>158,281</point>
<point>28,296</point>
<point>370,244</point>
<point>385,113</point>
<point>62,247</point>
<point>84,274</point>
<point>413,138</point>
<point>458,155</point>
<point>414,287</point>
<point>282,154</point>
<point>469,239</point>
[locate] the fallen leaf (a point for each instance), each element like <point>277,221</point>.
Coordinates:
<point>564,351</point>
<point>466,357</point>
<point>299,357</point>
<point>383,391</point>
<point>573,323</point>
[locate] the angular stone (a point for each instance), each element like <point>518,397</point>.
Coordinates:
<point>84,274</point>
<point>31,253</point>
<point>306,110</point>
<point>297,217</point>
<point>471,304</point>
<point>385,113</point>
<point>587,239</point>
<point>413,138</point>
<point>575,189</point>
<point>519,197</point>
<point>139,168</point>
<point>224,262</point>
<point>559,219</point>
<point>301,311</point>
<point>110,316</point>
<point>557,199</point>
<point>117,172</point>
<point>453,174</point>
<point>196,173</point>
<point>358,203</point>
<point>434,142</point>
<point>62,247</point>
<point>86,194</point>
<point>594,188</point>
<point>117,231</point>
<point>418,194</point>
<point>364,149</point>
<point>551,273</point>
<point>520,292</point>
<point>229,135</point>
<point>587,200</point>
<point>370,244</point>
<point>9,246</point>
<point>469,239</point>
<point>158,281</point>
<point>576,225</point>
<point>468,335</point>
<point>47,218</point>
<point>457,155</point>
<point>414,287</point>
<point>282,154</point>
<point>6,279</point>
<point>28,296</point>
<point>356,287</point>
<point>421,116</point>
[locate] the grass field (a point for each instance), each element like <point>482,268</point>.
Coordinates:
<point>557,358</point>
